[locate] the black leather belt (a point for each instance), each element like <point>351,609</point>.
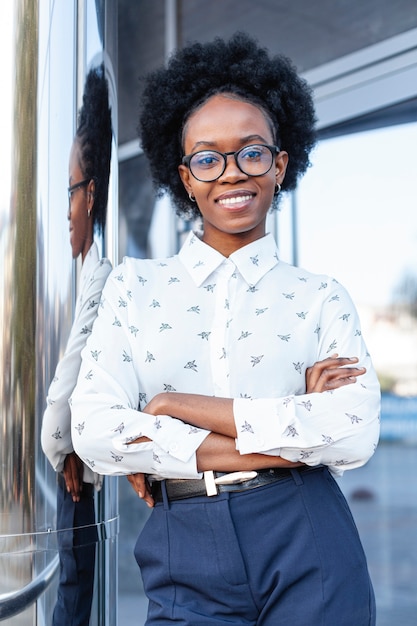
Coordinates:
<point>180,489</point>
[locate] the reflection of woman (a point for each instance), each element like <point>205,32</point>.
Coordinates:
<point>89,167</point>
<point>231,354</point>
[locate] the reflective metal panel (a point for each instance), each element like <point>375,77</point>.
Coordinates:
<point>18,305</point>
<point>47,47</point>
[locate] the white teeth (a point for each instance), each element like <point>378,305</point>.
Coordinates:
<point>235,200</point>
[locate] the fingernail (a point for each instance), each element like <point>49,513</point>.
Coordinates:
<point>140,494</point>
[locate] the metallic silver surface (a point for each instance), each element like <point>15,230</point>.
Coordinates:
<point>47,49</point>
<point>18,303</point>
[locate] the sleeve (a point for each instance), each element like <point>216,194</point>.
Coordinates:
<point>105,415</point>
<point>337,428</point>
<point>56,424</point>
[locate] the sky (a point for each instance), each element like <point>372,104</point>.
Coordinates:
<point>357,211</point>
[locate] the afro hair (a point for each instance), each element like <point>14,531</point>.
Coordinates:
<point>94,133</point>
<point>197,72</point>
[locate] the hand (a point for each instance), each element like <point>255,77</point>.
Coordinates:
<point>141,487</point>
<point>332,373</point>
<point>73,475</point>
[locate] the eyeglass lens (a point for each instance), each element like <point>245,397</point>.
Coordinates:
<point>207,165</point>
<point>76,186</point>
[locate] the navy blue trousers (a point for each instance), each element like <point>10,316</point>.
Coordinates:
<point>77,549</point>
<point>285,554</point>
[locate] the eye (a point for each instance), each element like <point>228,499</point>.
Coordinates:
<point>205,159</point>
<point>252,153</point>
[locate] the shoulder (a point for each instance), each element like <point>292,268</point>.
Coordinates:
<point>94,267</point>
<point>140,271</point>
<point>99,271</point>
<point>318,287</point>
<point>302,276</point>
<point>103,267</point>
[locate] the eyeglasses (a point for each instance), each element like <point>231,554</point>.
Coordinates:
<point>76,186</point>
<point>208,165</point>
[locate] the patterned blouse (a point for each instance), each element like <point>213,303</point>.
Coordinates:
<point>56,423</point>
<point>244,327</point>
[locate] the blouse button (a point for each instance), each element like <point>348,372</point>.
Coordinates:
<point>173,447</point>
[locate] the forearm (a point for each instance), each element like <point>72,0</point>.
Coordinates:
<point>210,413</point>
<point>219,453</point>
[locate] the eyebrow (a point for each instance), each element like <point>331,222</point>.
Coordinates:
<point>243,141</point>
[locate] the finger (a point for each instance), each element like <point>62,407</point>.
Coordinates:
<point>331,367</point>
<point>314,372</point>
<point>138,482</point>
<point>329,378</point>
<point>336,378</point>
<point>131,478</point>
<point>72,487</point>
<point>141,487</point>
<point>69,481</point>
<point>77,483</point>
<point>336,383</point>
<point>342,372</point>
<point>75,490</point>
<point>148,495</point>
<point>332,361</point>
<point>149,500</point>
<point>71,474</point>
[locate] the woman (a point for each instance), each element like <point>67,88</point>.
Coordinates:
<point>216,372</point>
<point>89,168</point>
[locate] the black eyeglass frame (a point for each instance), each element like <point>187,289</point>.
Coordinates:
<point>75,186</point>
<point>186,160</point>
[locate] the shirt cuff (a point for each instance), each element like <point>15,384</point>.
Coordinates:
<point>176,438</point>
<point>173,468</point>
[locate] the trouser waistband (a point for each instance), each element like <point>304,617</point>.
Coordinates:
<point>180,489</point>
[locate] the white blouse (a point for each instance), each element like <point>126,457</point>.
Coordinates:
<point>244,327</point>
<point>56,423</point>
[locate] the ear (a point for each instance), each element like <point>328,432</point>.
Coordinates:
<point>185,176</point>
<point>91,190</point>
<point>281,162</point>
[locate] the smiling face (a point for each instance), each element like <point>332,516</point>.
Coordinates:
<point>80,204</point>
<point>234,207</point>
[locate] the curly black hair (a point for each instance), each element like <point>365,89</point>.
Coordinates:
<point>239,66</point>
<point>94,133</point>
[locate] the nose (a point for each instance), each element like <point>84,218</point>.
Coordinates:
<point>232,172</point>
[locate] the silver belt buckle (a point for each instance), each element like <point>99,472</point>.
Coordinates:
<point>233,478</point>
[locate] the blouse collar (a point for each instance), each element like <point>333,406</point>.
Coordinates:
<point>253,261</point>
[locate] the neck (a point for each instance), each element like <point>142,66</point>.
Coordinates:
<point>86,248</point>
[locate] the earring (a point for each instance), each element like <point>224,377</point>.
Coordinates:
<point>277,189</point>
<point>190,195</point>
<point>88,212</point>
